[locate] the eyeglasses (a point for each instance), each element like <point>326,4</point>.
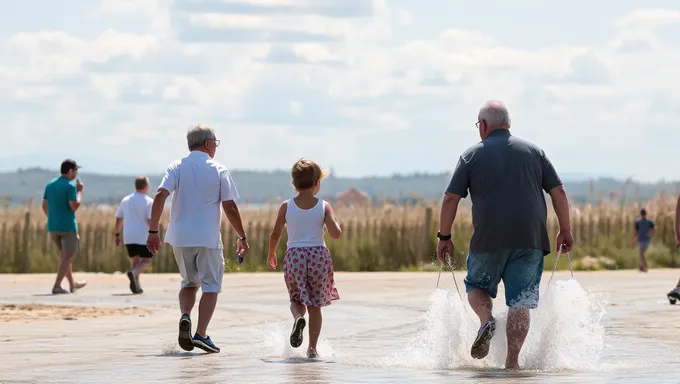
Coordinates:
<point>217,142</point>
<point>477,124</point>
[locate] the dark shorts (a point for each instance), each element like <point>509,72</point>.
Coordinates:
<point>520,269</point>
<point>138,250</point>
<point>644,245</point>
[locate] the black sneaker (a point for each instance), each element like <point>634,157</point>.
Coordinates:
<point>296,334</point>
<point>184,339</point>
<point>133,282</point>
<point>480,348</point>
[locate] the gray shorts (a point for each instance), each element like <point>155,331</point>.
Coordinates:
<point>200,266</point>
<point>66,241</point>
<point>643,245</point>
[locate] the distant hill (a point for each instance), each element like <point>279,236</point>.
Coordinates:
<point>261,187</point>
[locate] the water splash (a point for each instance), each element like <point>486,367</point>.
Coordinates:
<point>275,340</point>
<point>566,333</point>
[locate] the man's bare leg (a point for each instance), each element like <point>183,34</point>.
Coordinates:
<point>64,270</point>
<point>643,261</point>
<point>187,299</point>
<point>206,308</point>
<point>143,265</point>
<point>517,329</point>
<point>481,303</point>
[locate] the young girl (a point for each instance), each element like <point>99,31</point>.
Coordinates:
<point>307,265</point>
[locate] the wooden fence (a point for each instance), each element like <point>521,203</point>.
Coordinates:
<point>366,245</point>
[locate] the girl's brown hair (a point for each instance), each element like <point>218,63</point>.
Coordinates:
<point>305,173</point>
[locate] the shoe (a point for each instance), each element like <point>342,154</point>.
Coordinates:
<point>184,338</point>
<point>480,348</point>
<point>59,291</point>
<point>78,285</point>
<point>296,336</point>
<point>205,343</point>
<point>312,354</point>
<point>675,293</point>
<point>134,287</point>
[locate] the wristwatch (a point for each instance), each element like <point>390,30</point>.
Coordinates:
<point>241,238</point>
<point>442,237</point>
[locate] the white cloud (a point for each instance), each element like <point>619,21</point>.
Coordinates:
<point>295,108</point>
<point>365,87</point>
<point>651,17</point>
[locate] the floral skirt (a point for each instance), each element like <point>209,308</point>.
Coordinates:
<point>308,272</point>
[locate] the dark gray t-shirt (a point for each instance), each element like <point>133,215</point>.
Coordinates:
<point>506,177</point>
<point>643,226</point>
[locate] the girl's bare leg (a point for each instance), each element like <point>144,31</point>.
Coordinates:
<point>315,320</point>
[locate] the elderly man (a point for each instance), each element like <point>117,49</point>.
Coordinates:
<point>506,177</point>
<point>200,185</point>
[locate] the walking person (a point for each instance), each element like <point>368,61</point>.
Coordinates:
<point>132,217</point>
<point>307,264</point>
<point>674,294</point>
<point>506,177</point>
<point>644,230</point>
<point>60,202</point>
<point>200,185</point>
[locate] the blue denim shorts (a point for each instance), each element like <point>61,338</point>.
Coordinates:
<point>520,269</point>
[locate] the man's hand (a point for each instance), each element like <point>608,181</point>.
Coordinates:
<point>271,261</point>
<point>153,242</point>
<point>117,240</point>
<point>564,240</point>
<point>79,185</point>
<point>242,247</point>
<point>445,248</point>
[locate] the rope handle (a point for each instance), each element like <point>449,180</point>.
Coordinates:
<point>557,260</point>
<point>450,264</point>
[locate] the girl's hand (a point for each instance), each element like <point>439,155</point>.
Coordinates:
<point>272,261</point>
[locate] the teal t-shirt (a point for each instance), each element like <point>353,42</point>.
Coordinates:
<point>60,216</point>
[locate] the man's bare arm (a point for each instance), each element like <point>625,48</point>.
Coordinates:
<point>157,208</point>
<point>561,205</point>
<point>448,213</point>
<point>234,217</point>
<point>119,225</point>
<point>44,206</point>
<point>76,204</point>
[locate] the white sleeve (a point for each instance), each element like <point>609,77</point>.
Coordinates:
<point>119,211</point>
<point>228,188</point>
<point>169,181</point>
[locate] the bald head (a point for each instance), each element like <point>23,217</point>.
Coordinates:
<point>495,114</point>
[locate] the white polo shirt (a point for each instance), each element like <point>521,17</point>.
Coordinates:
<point>135,210</point>
<point>199,184</point>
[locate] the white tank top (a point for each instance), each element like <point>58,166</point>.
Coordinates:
<point>305,226</point>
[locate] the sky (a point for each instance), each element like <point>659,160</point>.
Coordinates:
<point>365,87</point>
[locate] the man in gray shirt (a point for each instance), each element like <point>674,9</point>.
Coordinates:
<point>506,177</point>
<point>644,230</point>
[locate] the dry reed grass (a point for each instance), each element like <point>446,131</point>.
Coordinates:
<point>386,237</point>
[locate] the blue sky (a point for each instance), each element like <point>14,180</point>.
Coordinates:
<point>367,87</point>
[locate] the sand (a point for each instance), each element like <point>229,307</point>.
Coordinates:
<point>104,326</point>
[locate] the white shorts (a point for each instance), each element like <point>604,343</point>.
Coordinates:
<point>200,266</point>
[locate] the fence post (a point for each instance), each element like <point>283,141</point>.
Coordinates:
<point>25,263</point>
